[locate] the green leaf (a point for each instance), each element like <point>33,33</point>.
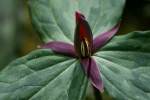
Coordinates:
<point>135,41</point>
<point>43,75</point>
<point>55,20</point>
<point>125,66</point>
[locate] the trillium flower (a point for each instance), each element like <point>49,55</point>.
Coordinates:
<point>84,47</point>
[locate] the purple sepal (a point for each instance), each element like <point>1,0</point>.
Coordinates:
<point>61,48</point>
<point>103,38</point>
<point>91,69</point>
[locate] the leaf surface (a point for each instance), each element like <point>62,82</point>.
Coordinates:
<point>43,75</point>
<point>55,19</point>
<point>125,66</point>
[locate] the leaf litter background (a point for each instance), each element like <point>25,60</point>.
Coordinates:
<point>17,36</point>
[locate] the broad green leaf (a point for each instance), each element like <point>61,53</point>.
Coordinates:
<point>55,20</point>
<point>43,75</point>
<point>135,41</point>
<point>125,66</point>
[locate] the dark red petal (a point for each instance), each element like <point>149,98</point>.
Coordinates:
<point>79,16</point>
<point>61,48</point>
<point>103,38</point>
<point>83,38</point>
<point>91,69</point>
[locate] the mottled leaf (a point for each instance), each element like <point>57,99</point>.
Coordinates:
<point>55,19</point>
<point>125,66</point>
<point>43,75</point>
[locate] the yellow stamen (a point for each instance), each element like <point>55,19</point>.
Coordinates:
<point>85,49</point>
<point>82,49</point>
<point>87,46</point>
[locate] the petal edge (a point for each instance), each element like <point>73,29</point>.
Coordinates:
<point>103,38</point>
<point>91,69</point>
<point>60,47</point>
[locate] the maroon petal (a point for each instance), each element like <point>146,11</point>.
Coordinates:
<point>61,48</point>
<point>83,38</point>
<point>79,16</point>
<point>91,69</point>
<point>103,38</point>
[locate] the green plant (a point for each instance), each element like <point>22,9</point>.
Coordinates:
<point>46,74</point>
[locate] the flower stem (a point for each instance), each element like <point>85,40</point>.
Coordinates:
<point>97,94</point>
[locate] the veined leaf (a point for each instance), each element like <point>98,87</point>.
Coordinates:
<point>43,75</point>
<point>55,20</point>
<point>125,66</point>
<point>134,41</point>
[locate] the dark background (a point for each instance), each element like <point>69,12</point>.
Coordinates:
<point>17,36</point>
